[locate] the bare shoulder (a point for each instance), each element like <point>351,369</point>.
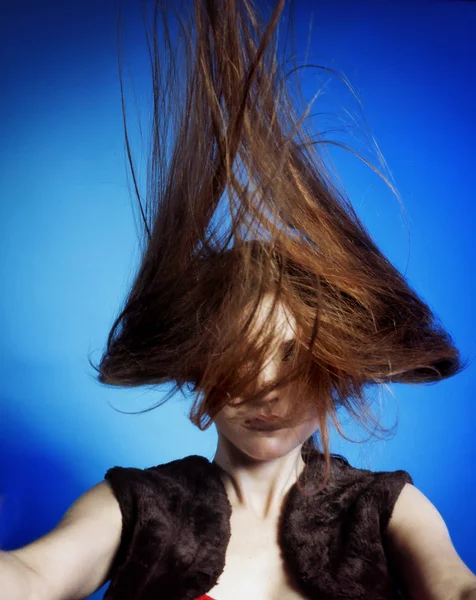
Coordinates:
<point>73,559</point>
<point>420,545</point>
<point>412,507</point>
<point>98,500</point>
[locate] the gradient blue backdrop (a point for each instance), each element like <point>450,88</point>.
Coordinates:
<point>69,244</point>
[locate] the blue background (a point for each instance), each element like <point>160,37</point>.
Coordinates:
<point>69,242</point>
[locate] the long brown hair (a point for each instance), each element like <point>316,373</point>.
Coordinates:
<point>239,203</point>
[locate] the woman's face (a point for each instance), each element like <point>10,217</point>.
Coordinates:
<point>265,440</point>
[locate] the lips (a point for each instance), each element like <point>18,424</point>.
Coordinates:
<point>268,423</point>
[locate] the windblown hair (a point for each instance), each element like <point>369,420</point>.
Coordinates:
<point>240,204</point>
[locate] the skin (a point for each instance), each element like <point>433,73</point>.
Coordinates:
<point>261,466</point>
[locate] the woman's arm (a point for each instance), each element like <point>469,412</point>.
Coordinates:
<point>18,581</point>
<point>421,549</point>
<point>71,561</point>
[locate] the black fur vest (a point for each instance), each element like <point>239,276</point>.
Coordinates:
<point>176,528</point>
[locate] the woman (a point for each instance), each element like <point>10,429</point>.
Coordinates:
<point>260,292</point>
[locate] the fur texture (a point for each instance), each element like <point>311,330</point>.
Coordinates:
<point>176,529</point>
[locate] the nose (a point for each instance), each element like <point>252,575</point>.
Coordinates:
<point>267,376</point>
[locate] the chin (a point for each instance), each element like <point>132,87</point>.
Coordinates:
<point>265,446</point>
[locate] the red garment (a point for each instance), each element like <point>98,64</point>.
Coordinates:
<point>204,598</point>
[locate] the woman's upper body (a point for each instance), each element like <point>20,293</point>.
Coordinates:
<point>241,526</point>
<point>330,545</point>
<point>75,558</point>
<point>182,536</point>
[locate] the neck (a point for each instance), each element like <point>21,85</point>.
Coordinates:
<point>257,485</point>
